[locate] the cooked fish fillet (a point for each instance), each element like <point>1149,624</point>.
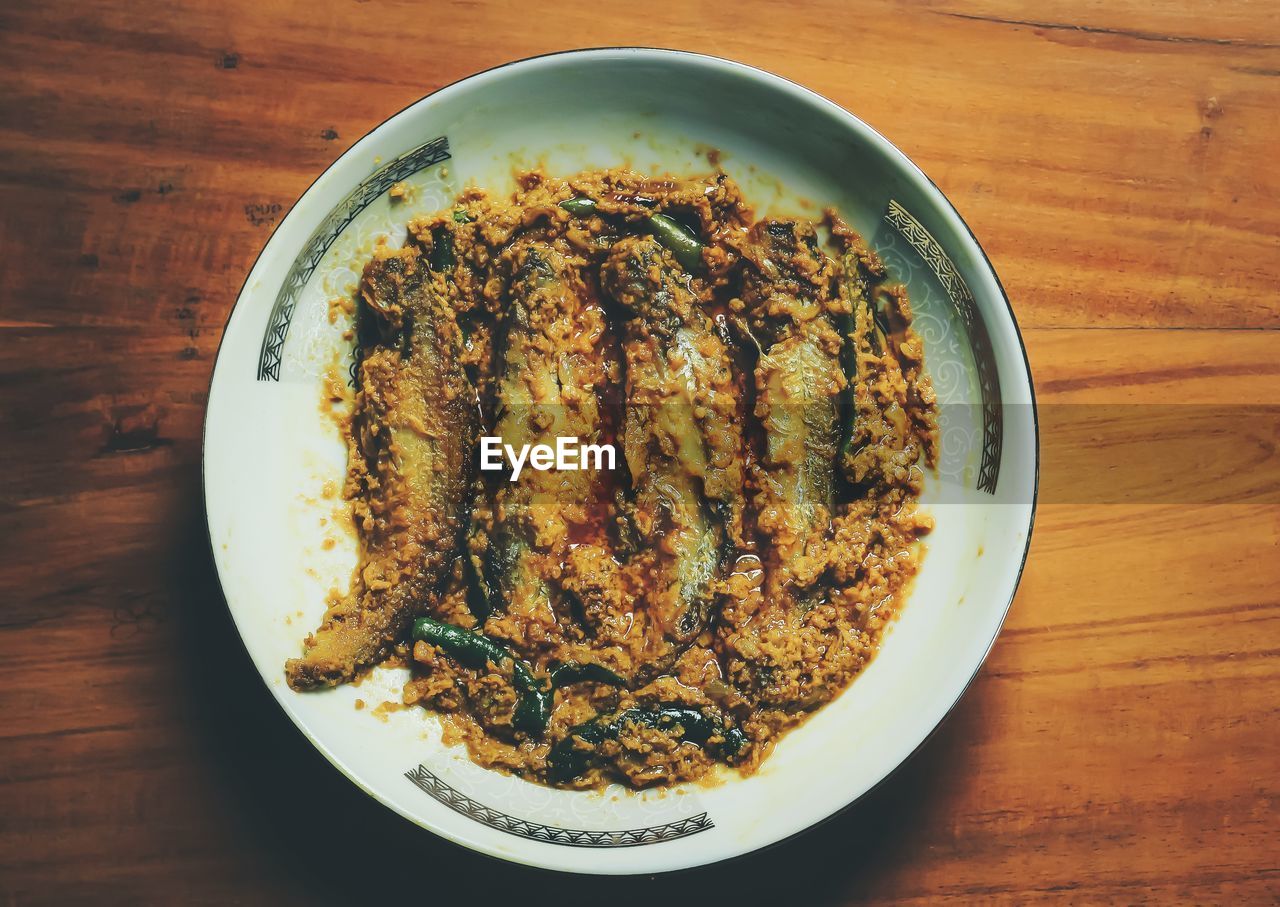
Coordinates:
<point>681,440</point>
<point>782,655</point>
<point>415,425</point>
<point>798,383</point>
<point>547,389</point>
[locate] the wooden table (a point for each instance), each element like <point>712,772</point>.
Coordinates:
<point>1118,160</point>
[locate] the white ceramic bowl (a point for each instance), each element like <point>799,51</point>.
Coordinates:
<point>273,462</point>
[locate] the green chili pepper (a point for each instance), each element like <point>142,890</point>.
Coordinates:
<point>686,247</point>
<point>534,704</point>
<point>441,248</point>
<point>568,758</point>
<point>573,672</point>
<point>460,216</point>
<point>475,650</point>
<point>579,207</point>
<point>682,241</point>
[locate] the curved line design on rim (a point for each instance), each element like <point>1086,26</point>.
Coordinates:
<point>453,798</point>
<point>433,152</point>
<point>957,290</point>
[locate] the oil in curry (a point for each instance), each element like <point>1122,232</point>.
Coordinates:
<point>738,567</point>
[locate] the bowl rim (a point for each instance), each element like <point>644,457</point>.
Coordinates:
<point>883,146</point>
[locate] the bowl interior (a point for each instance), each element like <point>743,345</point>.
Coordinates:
<point>274,460</point>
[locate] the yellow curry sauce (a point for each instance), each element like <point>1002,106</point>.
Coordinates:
<point>764,392</point>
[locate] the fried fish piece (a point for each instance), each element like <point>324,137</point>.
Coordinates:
<point>890,418</point>
<point>681,439</point>
<point>789,654</point>
<point>786,291</point>
<point>415,428</point>
<point>550,373</point>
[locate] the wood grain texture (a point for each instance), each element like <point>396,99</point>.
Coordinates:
<point>1117,160</point>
